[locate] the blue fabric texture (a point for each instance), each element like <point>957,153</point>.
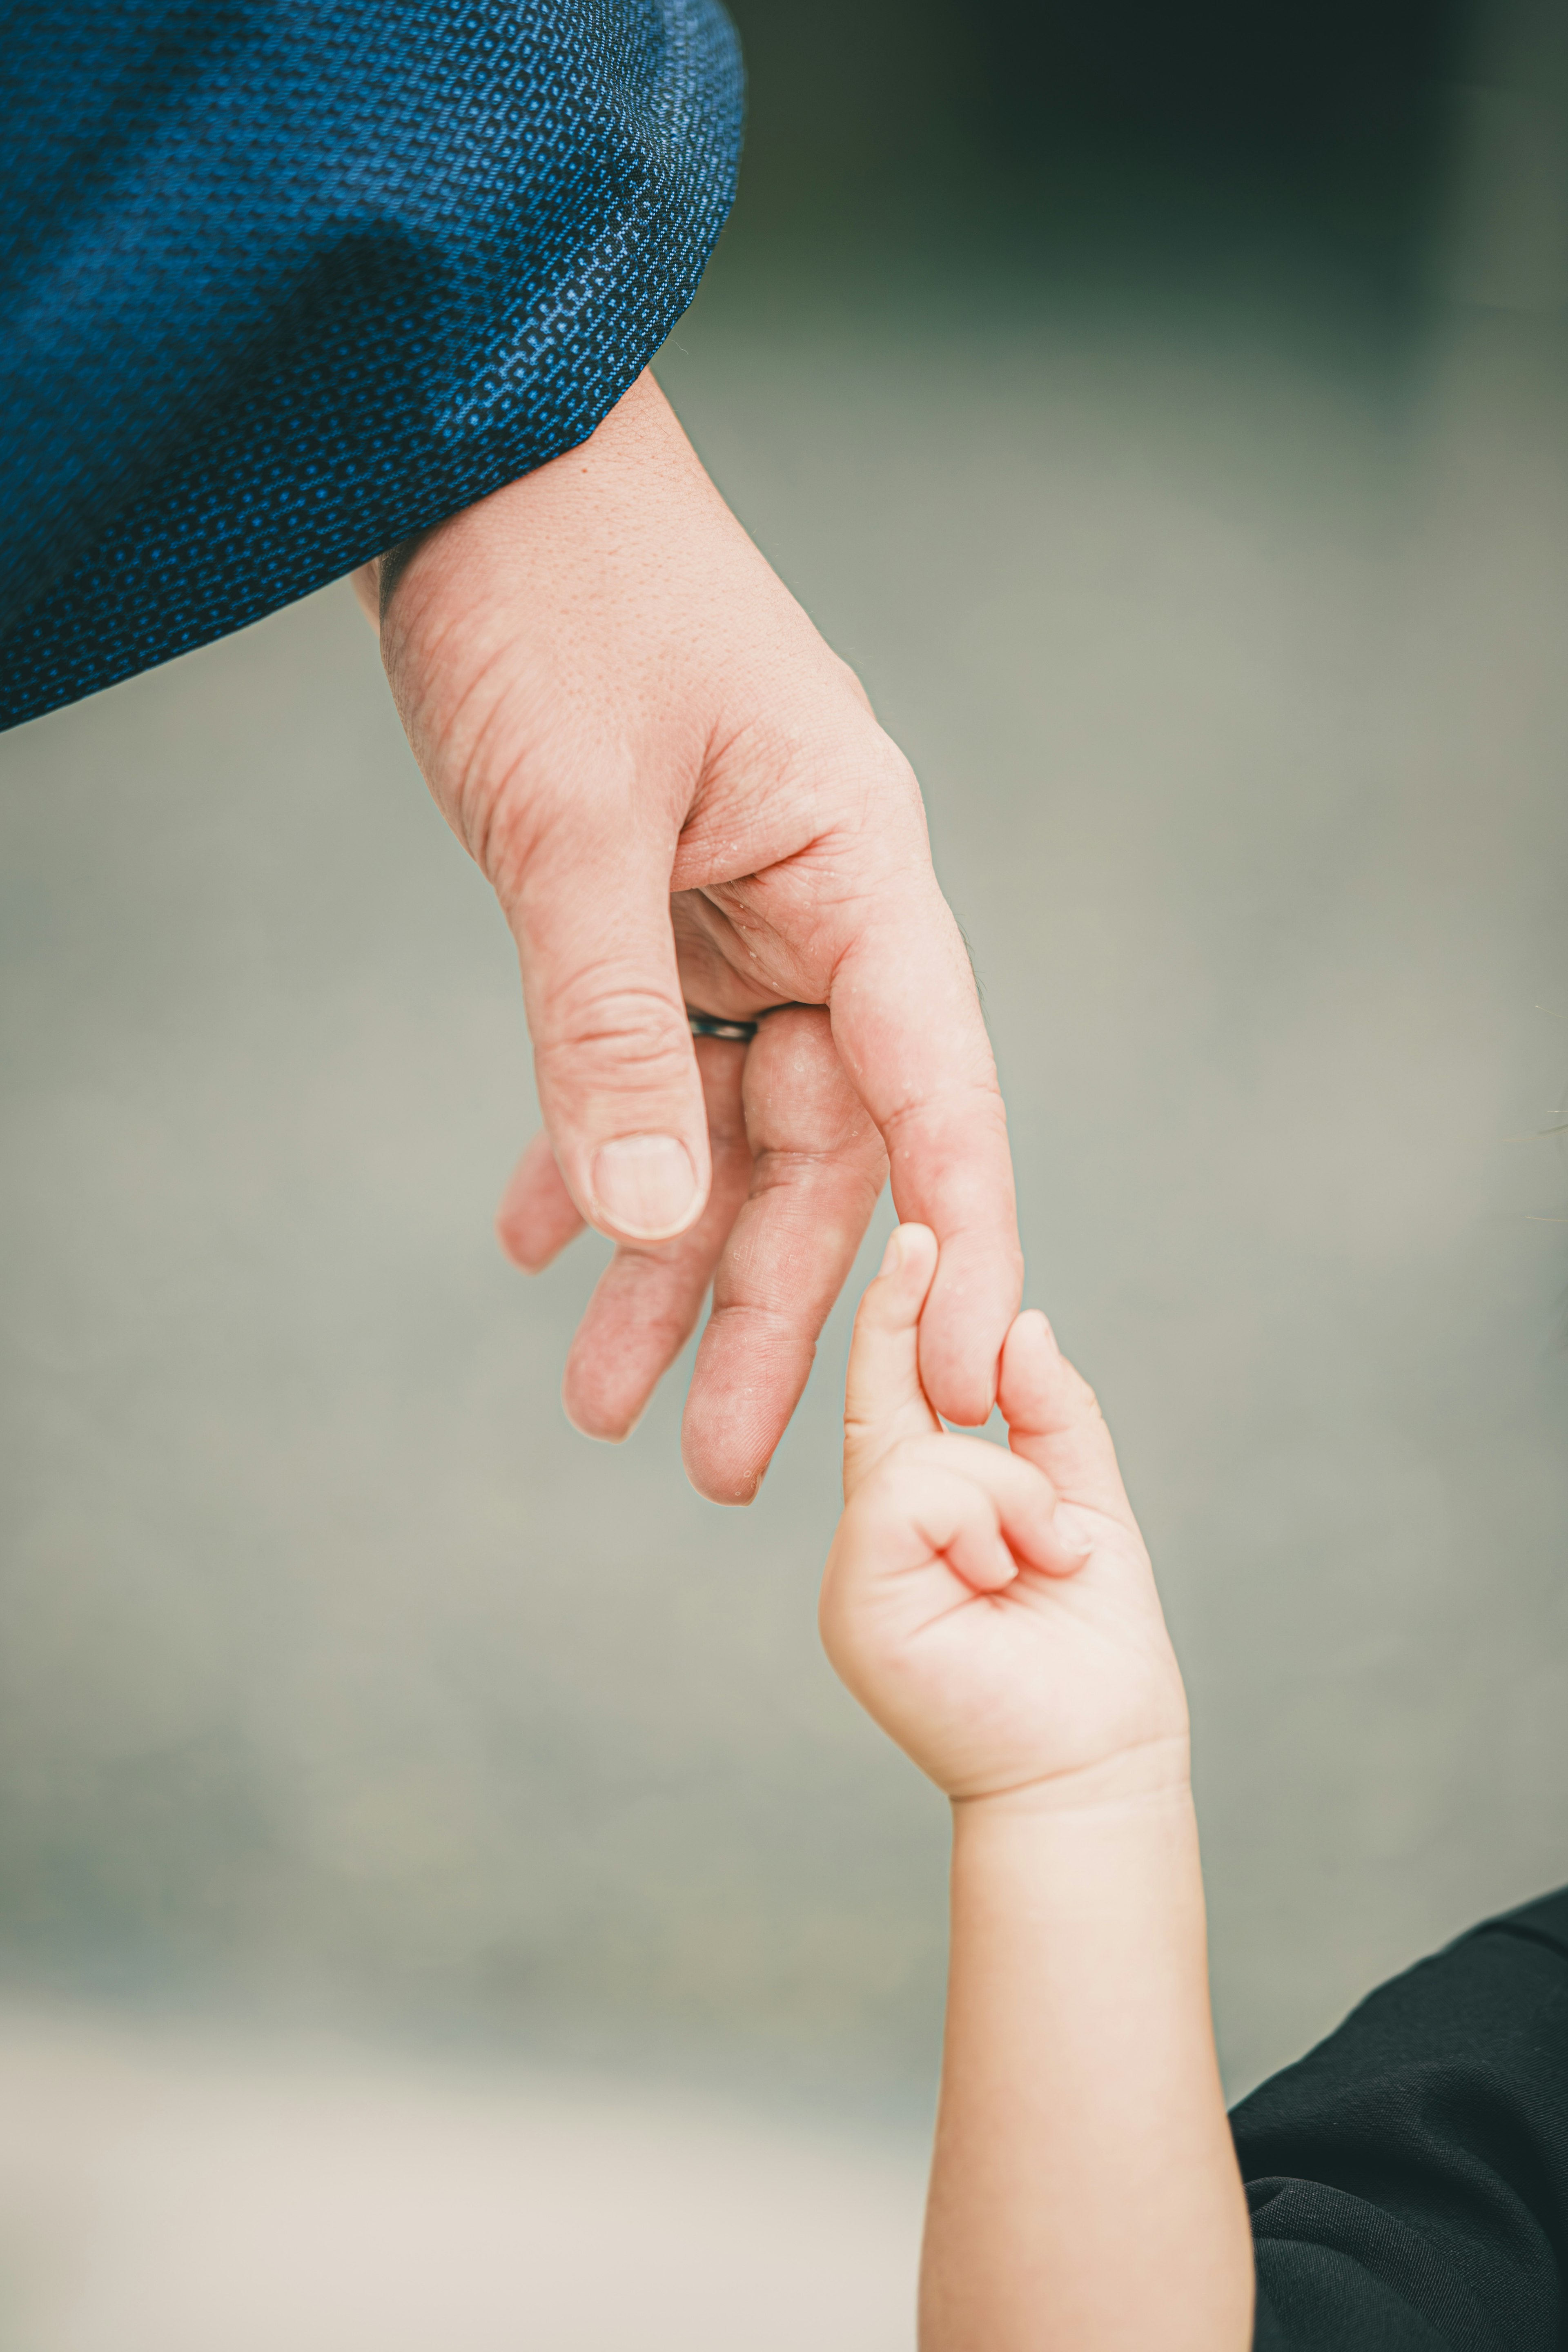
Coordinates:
<point>284,281</point>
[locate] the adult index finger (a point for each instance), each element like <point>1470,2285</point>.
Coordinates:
<point>906,1022</point>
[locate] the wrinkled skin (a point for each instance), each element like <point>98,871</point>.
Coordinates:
<point>681,796</point>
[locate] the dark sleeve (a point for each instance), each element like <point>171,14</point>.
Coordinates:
<point>1408,2180</point>
<point>285,281</point>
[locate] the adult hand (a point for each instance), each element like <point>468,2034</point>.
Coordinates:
<point>681,796</point>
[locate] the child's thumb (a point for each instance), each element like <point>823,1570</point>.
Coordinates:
<point>884,1401</point>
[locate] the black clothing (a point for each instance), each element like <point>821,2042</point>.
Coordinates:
<point>1408,2179</point>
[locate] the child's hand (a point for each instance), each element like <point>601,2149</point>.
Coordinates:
<point>995,1611</point>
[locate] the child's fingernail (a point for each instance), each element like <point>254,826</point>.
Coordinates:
<point>893,1256</point>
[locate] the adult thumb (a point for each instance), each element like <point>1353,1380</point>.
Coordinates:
<point>618,1084</point>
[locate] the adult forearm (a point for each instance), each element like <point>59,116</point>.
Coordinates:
<point>1084,2195</point>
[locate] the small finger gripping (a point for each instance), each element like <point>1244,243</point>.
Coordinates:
<point>884,1401</point>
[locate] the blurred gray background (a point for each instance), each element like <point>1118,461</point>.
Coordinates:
<point>1189,482</point>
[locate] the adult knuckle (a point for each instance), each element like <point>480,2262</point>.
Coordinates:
<point>832,752</point>
<point>616,1018</point>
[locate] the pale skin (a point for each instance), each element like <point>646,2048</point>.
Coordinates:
<point>681,796</point>
<point>996,1612</point>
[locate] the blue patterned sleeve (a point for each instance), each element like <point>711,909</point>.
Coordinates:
<point>286,279</point>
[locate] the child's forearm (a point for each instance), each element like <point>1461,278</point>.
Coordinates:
<point>1084,2194</point>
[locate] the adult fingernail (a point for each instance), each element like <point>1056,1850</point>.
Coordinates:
<point>893,1256</point>
<point>645,1185</point>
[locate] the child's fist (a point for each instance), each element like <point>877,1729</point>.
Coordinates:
<point>995,1611</point>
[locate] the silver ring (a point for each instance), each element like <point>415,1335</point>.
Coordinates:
<point>709,1024</point>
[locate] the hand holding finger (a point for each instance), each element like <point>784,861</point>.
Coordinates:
<point>884,1401</point>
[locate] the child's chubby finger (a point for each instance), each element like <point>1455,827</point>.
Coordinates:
<point>884,1403</point>
<point>985,1512</point>
<point>1054,1420</point>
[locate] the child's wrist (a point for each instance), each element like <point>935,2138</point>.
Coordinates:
<point>1110,1854</point>
<point>1148,1776</point>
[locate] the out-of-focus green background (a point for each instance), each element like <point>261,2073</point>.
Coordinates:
<point>1164,410</point>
